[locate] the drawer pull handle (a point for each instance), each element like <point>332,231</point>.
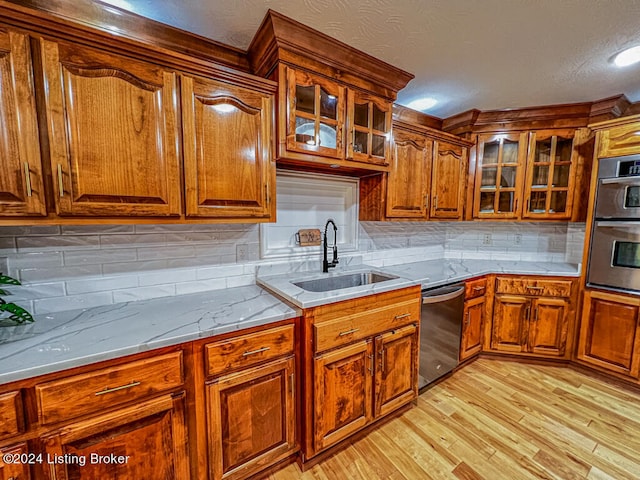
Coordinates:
<point>477,289</point>
<point>530,287</point>
<point>370,363</point>
<point>115,389</point>
<point>27,178</point>
<point>253,352</point>
<point>400,317</point>
<point>348,332</point>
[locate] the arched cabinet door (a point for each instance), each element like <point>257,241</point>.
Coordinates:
<point>228,150</point>
<point>113,133</point>
<point>21,184</point>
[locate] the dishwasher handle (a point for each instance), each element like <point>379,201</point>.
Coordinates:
<point>426,300</point>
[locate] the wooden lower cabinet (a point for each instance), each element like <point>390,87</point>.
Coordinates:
<point>14,470</point>
<point>146,440</point>
<point>362,362</point>
<point>251,421</point>
<point>396,377</point>
<point>471,339</point>
<point>363,381</point>
<point>343,392</point>
<point>535,320</point>
<point>609,333</point>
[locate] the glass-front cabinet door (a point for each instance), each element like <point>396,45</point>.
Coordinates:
<point>550,175</point>
<point>315,115</point>
<point>369,128</point>
<point>499,172</point>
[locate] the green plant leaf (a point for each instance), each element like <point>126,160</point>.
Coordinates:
<point>19,314</point>
<point>7,280</point>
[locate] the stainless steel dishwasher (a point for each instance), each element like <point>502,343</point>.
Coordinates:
<point>440,327</point>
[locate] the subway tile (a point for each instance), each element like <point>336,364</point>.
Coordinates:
<point>35,260</point>
<point>105,284</point>
<point>129,241</point>
<point>132,267</point>
<point>241,280</point>
<point>96,229</point>
<point>157,252</point>
<point>7,245</point>
<point>143,293</point>
<point>166,276</point>
<point>57,273</point>
<point>47,230</point>
<point>58,243</point>
<point>85,257</point>
<point>219,272</point>
<point>71,302</point>
<point>35,291</point>
<point>201,286</point>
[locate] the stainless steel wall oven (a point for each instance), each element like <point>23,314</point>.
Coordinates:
<point>614,252</point>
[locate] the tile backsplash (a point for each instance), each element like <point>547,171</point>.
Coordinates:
<point>66,267</point>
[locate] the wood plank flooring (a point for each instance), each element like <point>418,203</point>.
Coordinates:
<point>497,419</point>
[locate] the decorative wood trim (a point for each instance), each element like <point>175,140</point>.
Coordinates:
<point>281,39</point>
<point>408,115</point>
<point>103,19</point>
<point>609,108</point>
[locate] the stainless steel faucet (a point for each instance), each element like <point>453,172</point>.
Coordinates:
<point>325,263</point>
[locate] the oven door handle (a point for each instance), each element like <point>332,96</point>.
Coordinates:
<point>617,224</point>
<point>623,180</point>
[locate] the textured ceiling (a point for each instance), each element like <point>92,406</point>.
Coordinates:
<point>486,54</point>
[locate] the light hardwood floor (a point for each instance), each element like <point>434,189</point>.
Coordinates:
<point>497,419</point>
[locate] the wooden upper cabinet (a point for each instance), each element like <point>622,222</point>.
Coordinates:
<point>550,176</point>
<point>408,178</point>
<point>21,182</point>
<point>448,180</point>
<point>619,137</point>
<point>113,133</point>
<point>227,144</point>
<point>314,118</point>
<point>498,177</point>
<point>368,128</point>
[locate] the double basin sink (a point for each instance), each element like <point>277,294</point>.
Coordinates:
<point>339,282</point>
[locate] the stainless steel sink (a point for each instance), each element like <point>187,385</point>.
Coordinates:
<point>338,282</point>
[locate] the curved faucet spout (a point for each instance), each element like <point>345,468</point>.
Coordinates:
<point>326,265</point>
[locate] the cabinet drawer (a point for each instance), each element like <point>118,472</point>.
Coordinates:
<point>10,414</point>
<point>531,286</point>
<point>60,400</point>
<point>247,350</point>
<point>343,330</point>
<point>475,288</point>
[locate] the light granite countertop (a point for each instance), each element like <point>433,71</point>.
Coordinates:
<point>59,341</point>
<point>430,273</point>
<point>64,340</point>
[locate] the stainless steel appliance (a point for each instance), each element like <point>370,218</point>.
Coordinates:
<point>614,252</point>
<point>440,328</point>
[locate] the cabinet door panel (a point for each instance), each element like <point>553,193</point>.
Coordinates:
<point>343,393</point>
<point>396,381</point>
<point>14,470</point>
<point>447,183</point>
<point>227,136</point>
<point>510,324</point>
<point>112,133</point>
<point>368,127</point>
<point>251,419</point>
<point>471,343</point>
<point>408,177</point>
<point>548,326</point>
<point>499,175</point>
<point>21,185</point>
<point>149,440</point>
<point>609,334</point>
<point>315,110</point>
